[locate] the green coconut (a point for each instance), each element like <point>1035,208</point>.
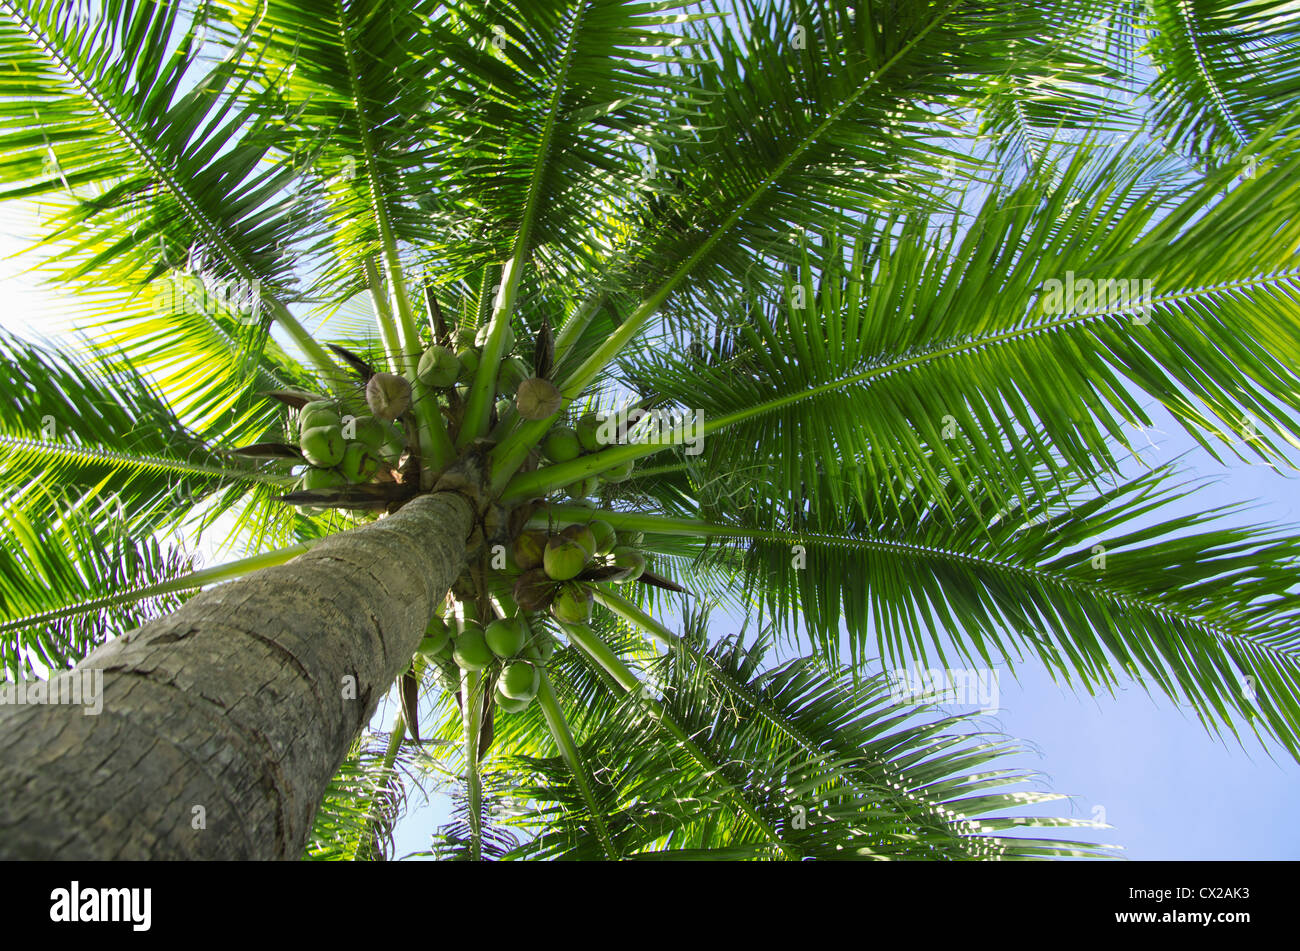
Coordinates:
<point>538,399</point>
<point>510,705</point>
<point>391,451</point>
<point>388,395</point>
<point>432,646</point>
<point>505,636</point>
<point>370,432</point>
<point>481,338</point>
<point>563,558</point>
<point>561,444</point>
<point>318,413</point>
<point>520,680</point>
<point>584,536</point>
<point>316,478</point>
<point>323,445</point>
<point>587,428</point>
<point>631,539</point>
<point>528,550</point>
<point>468,358</point>
<point>438,367</point>
<point>541,648</point>
<point>583,488</point>
<point>470,648</point>
<point>573,604</point>
<point>437,639</point>
<point>631,561</point>
<point>534,590</point>
<point>619,473</point>
<point>358,464</point>
<point>604,534</point>
<point>513,372</point>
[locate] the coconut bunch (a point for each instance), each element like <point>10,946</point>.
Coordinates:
<point>556,568</point>
<point>449,367</point>
<point>510,651</point>
<point>339,453</point>
<point>565,443</point>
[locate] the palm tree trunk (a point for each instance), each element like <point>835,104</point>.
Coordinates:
<point>223,722</point>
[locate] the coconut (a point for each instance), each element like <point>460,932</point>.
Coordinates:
<point>631,539</point>
<point>583,488</point>
<point>449,675</point>
<point>438,367</point>
<point>605,536</point>
<point>358,464</point>
<point>538,399</point>
<point>564,558</point>
<point>619,473</point>
<point>505,637</point>
<point>468,359</point>
<point>509,705</point>
<point>631,561</point>
<point>528,549</point>
<point>370,431</point>
<point>388,395</point>
<point>316,478</point>
<point>470,649</point>
<point>584,536</point>
<point>433,646</point>
<point>587,428</point>
<point>520,680</point>
<point>541,648</point>
<point>437,638</point>
<point>534,590</point>
<point>513,372</point>
<point>561,444</point>
<point>392,450</point>
<point>318,413</point>
<point>573,604</point>
<point>481,338</point>
<point>323,445</point>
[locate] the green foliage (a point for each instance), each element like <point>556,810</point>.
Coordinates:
<point>830,228</point>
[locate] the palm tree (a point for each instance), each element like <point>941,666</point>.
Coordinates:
<point>892,280</point>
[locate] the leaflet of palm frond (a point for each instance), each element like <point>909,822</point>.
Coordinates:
<point>58,602</point>
<point>441,334</point>
<point>295,399</point>
<point>374,497</point>
<point>410,694</point>
<point>363,367</point>
<point>650,578</point>
<point>269,450</point>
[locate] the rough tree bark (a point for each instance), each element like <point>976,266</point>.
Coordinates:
<point>237,709</point>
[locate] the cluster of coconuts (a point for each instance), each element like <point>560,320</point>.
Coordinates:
<point>339,454</point>
<point>508,649</point>
<point>441,368</point>
<point>536,398</point>
<point>566,443</point>
<point>551,563</point>
<point>514,650</point>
